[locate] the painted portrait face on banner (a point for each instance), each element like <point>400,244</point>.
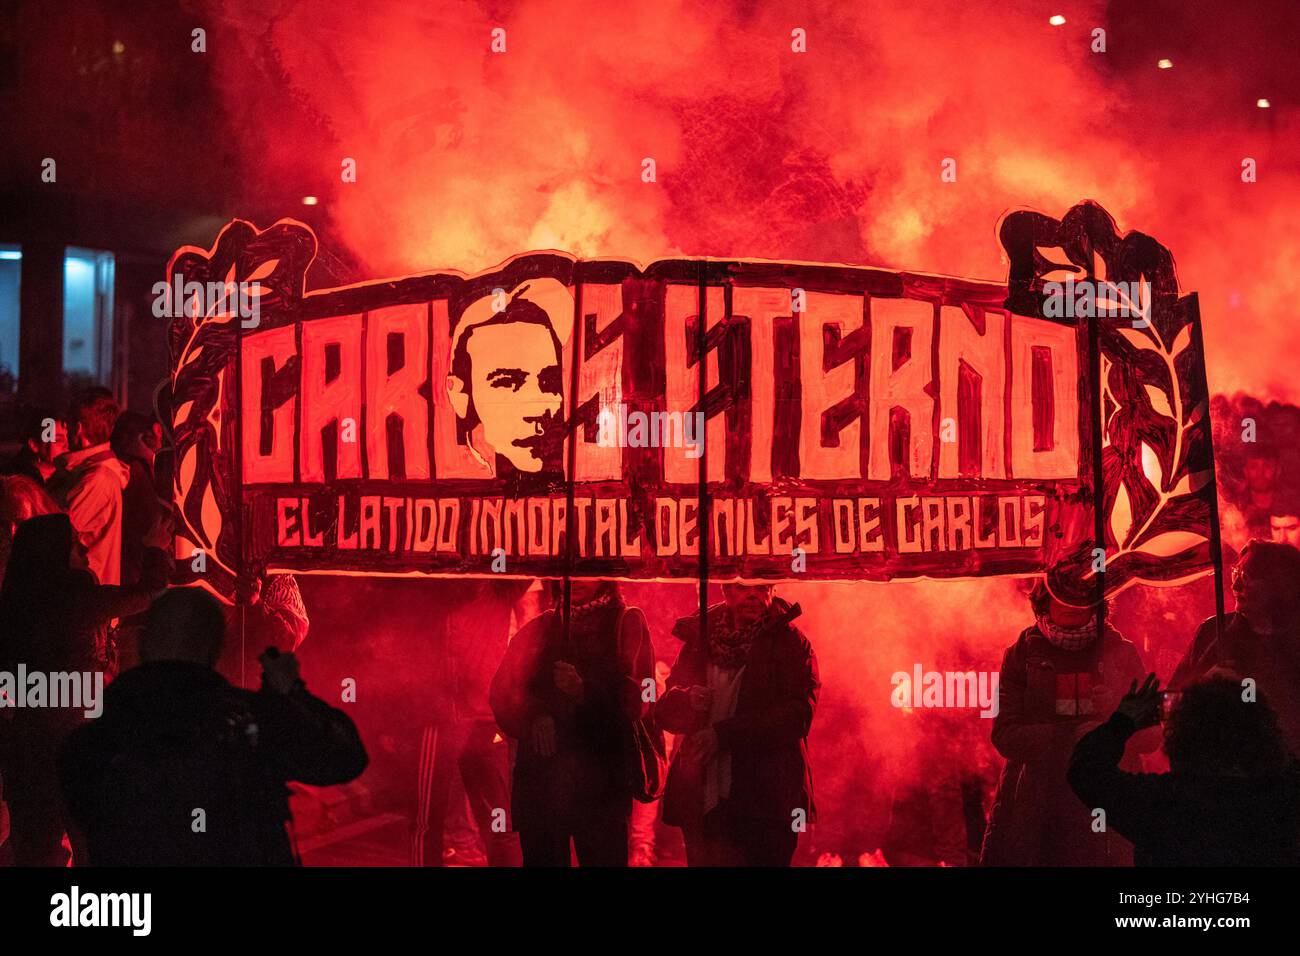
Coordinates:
<point>507,382</point>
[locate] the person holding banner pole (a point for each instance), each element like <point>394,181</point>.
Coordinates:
<point>1259,642</point>
<point>571,703</point>
<point>743,693</point>
<point>1057,682</point>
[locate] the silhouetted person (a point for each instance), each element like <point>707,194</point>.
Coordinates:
<point>569,704</point>
<point>937,817</point>
<point>1262,471</point>
<point>183,769</point>
<point>43,438</point>
<point>1284,519</point>
<point>463,778</point>
<point>1231,798</point>
<point>54,618</point>
<point>1261,639</point>
<point>135,442</point>
<point>742,692</point>
<point>21,498</point>
<point>1056,683</point>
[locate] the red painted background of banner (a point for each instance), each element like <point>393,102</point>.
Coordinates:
<point>859,423</point>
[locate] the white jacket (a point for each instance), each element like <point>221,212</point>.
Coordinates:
<point>89,485</point>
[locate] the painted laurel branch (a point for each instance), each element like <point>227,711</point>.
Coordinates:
<point>219,286</point>
<point>1149,444</point>
<point>1155,462</point>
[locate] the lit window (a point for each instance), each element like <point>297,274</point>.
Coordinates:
<point>87,317</point>
<point>11,267</point>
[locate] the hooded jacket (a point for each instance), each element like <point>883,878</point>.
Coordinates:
<point>89,485</point>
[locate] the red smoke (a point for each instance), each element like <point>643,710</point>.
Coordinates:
<point>465,157</point>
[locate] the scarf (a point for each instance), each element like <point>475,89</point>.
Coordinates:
<point>593,625</point>
<point>1067,638</point>
<point>729,645</point>
<point>578,612</point>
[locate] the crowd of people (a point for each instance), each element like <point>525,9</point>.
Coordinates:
<point>570,737</point>
<point>85,564</point>
<point>1078,712</point>
<point>1258,470</point>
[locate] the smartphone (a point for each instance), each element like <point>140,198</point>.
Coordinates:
<point>1168,698</point>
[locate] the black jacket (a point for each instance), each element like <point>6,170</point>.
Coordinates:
<point>767,737</point>
<point>613,653</point>
<point>24,463</point>
<point>1177,819</point>
<point>176,738</point>
<point>1271,660</point>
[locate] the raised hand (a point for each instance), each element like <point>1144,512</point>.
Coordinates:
<point>1142,704</point>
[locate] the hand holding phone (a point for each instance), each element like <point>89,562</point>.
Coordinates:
<point>1168,700</point>
<point>1142,704</point>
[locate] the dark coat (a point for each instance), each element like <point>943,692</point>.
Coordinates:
<point>24,462</point>
<point>141,507</point>
<point>66,629</point>
<point>613,654</point>
<point>1179,819</point>
<point>176,737</point>
<point>56,619</point>
<point>1045,701</point>
<point>67,633</point>
<point>1272,660</point>
<point>771,775</point>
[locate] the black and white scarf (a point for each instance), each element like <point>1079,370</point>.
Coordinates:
<point>1067,638</point>
<point>729,645</point>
